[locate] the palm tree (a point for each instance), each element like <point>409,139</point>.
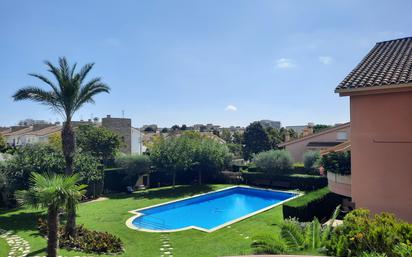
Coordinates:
<point>66,97</point>
<point>52,191</point>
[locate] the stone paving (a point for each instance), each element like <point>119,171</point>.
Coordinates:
<point>242,234</point>
<point>166,250</point>
<point>18,246</point>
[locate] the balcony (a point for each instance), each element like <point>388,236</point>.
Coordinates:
<point>339,184</point>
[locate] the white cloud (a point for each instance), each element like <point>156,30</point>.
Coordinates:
<point>230,108</point>
<point>284,63</point>
<point>325,59</point>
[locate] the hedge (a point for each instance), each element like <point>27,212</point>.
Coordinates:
<point>289,180</point>
<point>320,203</point>
<point>113,180</point>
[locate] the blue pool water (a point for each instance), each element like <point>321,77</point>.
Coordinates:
<point>210,210</point>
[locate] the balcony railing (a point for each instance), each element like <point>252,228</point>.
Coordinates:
<point>339,184</point>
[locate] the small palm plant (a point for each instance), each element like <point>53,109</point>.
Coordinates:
<point>52,191</point>
<point>311,236</point>
<point>66,97</point>
<point>296,236</point>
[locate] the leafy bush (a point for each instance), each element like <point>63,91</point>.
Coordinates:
<point>403,250</point>
<point>38,158</point>
<point>134,165</point>
<point>187,153</point>
<point>273,161</point>
<point>290,181</point>
<point>337,162</point>
<point>310,159</point>
<point>359,233</point>
<point>86,240</point>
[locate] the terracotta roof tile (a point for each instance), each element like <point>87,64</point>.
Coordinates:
<point>388,63</point>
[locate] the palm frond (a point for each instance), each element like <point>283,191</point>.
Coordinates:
<point>328,229</point>
<point>27,197</point>
<point>293,235</point>
<point>36,94</point>
<point>47,81</point>
<point>269,244</point>
<point>68,93</point>
<point>89,90</point>
<point>84,71</point>
<point>56,73</point>
<point>64,68</point>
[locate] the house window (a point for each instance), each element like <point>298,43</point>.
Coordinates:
<point>342,135</point>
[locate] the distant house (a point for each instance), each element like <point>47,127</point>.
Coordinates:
<point>132,138</point>
<point>23,135</point>
<point>298,128</point>
<point>380,91</point>
<point>270,124</point>
<point>318,141</point>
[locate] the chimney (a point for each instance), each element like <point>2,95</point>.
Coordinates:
<point>108,116</point>
<point>287,137</point>
<point>307,131</point>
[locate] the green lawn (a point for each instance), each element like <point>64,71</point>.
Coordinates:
<point>4,247</point>
<point>110,215</point>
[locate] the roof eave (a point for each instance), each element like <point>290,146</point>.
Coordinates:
<point>374,90</point>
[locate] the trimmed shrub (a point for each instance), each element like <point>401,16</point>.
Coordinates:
<point>360,233</point>
<point>320,204</point>
<point>113,180</point>
<point>299,168</point>
<point>288,181</point>
<point>274,161</point>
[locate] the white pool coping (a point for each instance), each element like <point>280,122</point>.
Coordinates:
<point>137,212</point>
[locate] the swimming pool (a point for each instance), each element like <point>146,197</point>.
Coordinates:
<point>207,212</point>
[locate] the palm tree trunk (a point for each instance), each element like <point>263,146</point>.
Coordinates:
<point>52,236</point>
<point>68,144</point>
<point>174,178</point>
<point>70,228</point>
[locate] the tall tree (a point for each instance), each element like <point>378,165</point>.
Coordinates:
<point>319,127</point>
<point>226,135</point>
<point>256,140</point>
<point>238,138</point>
<point>52,192</point>
<point>67,95</point>
<point>98,141</point>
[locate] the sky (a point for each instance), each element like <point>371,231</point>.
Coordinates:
<point>226,62</point>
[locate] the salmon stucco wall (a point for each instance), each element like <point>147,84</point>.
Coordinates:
<point>381,138</point>
<point>298,148</point>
